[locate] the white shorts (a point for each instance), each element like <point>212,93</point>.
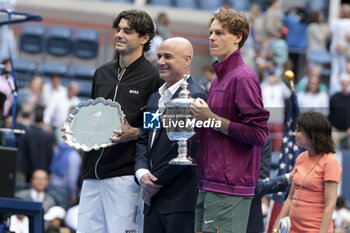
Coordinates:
<point>112,205</point>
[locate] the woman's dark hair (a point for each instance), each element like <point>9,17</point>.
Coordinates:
<point>39,114</point>
<point>340,202</point>
<point>319,130</point>
<point>302,14</point>
<point>4,70</point>
<point>5,61</point>
<point>140,21</point>
<point>314,17</point>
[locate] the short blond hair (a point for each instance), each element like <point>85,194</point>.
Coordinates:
<point>236,23</point>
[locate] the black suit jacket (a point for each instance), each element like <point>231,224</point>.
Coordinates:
<point>35,150</point>
<point>179,191</point>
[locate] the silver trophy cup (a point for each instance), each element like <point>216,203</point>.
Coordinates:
<point>177,121</point>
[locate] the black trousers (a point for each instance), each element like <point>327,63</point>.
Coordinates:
<point>155,222</point>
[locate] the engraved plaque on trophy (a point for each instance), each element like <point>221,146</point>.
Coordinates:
<point>176,119</point>
<point>91,123</point>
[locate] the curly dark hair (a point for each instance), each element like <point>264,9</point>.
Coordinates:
<point>235,22</point>
<point>140,21</point>
<point>319,130</point>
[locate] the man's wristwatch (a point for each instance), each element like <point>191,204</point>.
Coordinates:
<point>214,126</point>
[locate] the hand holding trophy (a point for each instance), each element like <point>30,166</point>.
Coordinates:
<point>91,123</point>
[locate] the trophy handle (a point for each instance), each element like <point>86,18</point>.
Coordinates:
<point>182,158</point>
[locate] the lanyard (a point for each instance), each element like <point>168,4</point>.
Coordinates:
<point>120,75</point>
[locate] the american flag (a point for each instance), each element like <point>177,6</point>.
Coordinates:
<point>289,153</point>
<point>290,150</point>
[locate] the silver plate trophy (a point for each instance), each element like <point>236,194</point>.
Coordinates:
<point>92,123</point>
<point>176,119</point>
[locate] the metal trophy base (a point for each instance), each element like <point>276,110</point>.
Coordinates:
<point>182,161</point>
<point>182,158</point>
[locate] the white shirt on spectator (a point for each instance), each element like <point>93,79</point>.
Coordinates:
<point>19,226</point>
<point>48,92</point>
<point>57,109</point>
<point>36,196</point>
<point>318,102</point>
<point>273,99</point>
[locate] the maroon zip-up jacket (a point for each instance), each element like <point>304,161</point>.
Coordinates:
<point>230,163</point>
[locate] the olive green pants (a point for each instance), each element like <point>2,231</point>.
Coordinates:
<point>217,211</point>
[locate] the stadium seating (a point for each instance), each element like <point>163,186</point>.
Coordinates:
<point>209,5</point>
<point>25,66</point>
<point>239,5</point>
<point>59,41</point>
<point>167,3</point>
<point>25,69</point>
<point>32,39</point>
<point>188,4</point>
<point>85,44</point>
<point>49,68</point>
<point>126,1</point>
<point>83,74</point>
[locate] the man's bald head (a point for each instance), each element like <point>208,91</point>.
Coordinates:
<point>182,43</point>
<point>174,59</point>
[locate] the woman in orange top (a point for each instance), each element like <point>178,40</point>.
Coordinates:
<point>316,173</point>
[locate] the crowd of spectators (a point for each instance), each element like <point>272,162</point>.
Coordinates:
<point>48,169</point>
